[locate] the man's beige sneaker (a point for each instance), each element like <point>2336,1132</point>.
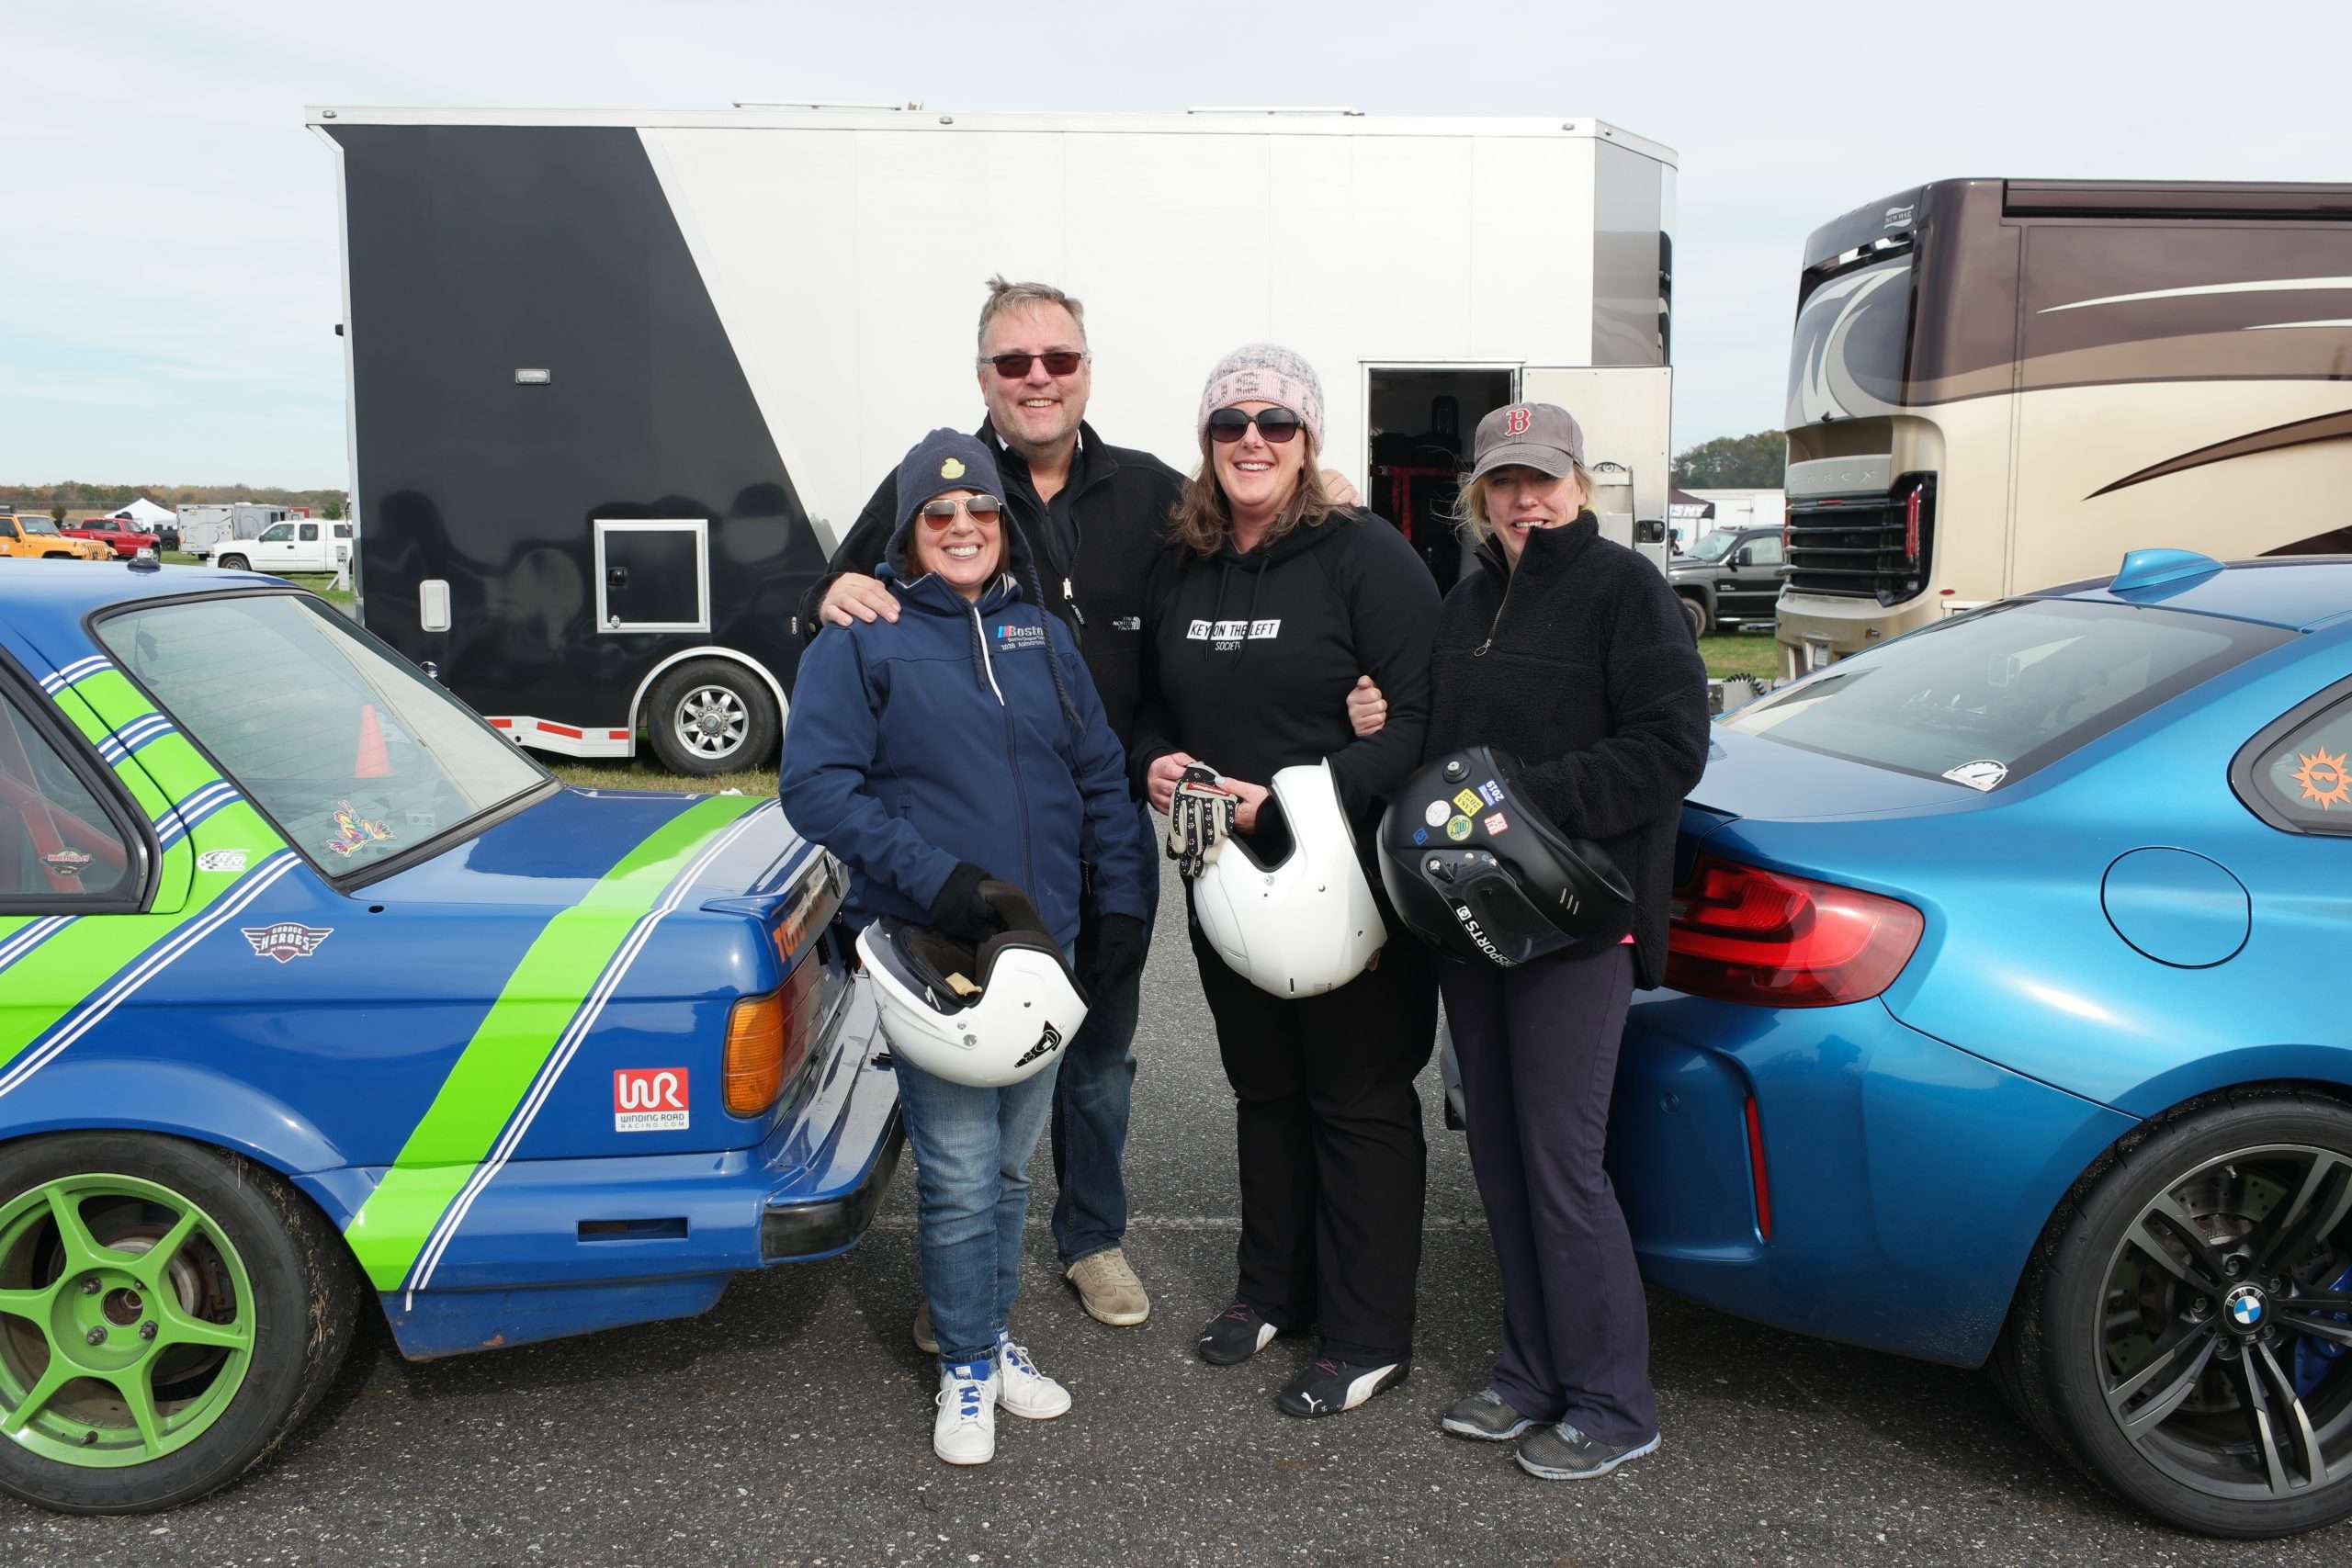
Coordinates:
<point>925,1340</point>
<point>1109,1288</point>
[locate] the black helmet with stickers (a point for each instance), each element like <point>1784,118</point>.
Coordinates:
<point>1477,872</point>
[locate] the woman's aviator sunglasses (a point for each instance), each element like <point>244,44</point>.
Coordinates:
<point>1060,362</point>
<point>1274,425</point>
<point>983,509</point>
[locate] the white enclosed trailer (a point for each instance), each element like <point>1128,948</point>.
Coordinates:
<point>559,320</point>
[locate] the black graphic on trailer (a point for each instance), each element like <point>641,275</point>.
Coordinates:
<point>570,502</point>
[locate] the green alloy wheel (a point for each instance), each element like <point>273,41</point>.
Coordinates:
<point>167,1315</point>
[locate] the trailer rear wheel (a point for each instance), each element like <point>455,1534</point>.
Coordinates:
<point>711,715</point>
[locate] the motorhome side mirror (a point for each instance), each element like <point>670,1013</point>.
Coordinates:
<point>1649,531</point>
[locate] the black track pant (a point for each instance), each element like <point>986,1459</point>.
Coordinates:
<point>1538,1050</point>
<point>1334,1167</point>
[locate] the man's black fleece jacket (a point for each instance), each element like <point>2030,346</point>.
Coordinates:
<point>1248,659</point>
<point>1579,663</point>
<point>1093,546</point>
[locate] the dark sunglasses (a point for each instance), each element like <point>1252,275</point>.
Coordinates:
<point>1060,362</point>
<point>983,509</point>
<point>1274,425</point>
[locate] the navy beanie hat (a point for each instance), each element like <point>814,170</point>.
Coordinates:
<point>946,459</point>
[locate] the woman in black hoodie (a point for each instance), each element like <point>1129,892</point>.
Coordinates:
<point>1568,653</point>
<point>1258,622</point>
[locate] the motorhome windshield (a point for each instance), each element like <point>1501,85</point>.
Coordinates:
<point>1851,350</point>
<point>353,754</point>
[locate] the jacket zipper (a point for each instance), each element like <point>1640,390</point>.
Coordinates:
<point>1011,748</point>
<point>1496,624</point>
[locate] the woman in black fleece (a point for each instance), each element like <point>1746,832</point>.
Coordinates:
<point>1570,653</point>
<point>1268,607</point>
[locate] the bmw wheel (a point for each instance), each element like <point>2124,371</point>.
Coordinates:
<point>2182,1334</point>
<point>711,715</point>
<point>167,1316</point>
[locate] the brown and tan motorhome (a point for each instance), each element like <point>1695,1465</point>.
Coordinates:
<point>1998,386</point>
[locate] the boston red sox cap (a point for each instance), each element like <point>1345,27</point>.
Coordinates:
<point>1543,436</point>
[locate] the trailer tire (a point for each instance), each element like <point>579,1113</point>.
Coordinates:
<point>711,715</point>
<point>233,563</point>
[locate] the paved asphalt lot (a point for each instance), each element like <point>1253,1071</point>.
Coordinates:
<point>791,1426</point>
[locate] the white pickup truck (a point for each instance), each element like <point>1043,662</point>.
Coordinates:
<point>298,544</point>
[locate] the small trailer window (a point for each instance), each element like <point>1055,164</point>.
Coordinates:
<point>652,574</point>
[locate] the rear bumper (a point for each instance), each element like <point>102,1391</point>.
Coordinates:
<point>1906,1181</point>
<point>558,1248</point>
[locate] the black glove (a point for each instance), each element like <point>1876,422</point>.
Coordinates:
<point>1114,955</point>
<point>959,910</point>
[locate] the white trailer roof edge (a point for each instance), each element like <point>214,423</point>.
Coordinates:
<point>1321,123</point>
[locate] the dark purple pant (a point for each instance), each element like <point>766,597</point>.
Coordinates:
<point>1538,1050</point>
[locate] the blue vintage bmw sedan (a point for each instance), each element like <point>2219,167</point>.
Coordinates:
<point>2005,1024</point>
<point>315,993</point>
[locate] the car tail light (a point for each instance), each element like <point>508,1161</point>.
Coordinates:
<point>768,1038</point>
<point>1739,934</point>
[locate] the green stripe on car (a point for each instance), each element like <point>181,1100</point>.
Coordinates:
<point>496,1070</point>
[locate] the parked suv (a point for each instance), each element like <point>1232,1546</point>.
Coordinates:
<point>1730,579</point>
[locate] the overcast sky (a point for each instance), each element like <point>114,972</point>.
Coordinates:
<point>169,279</point>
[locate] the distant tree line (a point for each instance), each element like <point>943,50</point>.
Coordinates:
<point>1734,462</point>
<point>80,495</point>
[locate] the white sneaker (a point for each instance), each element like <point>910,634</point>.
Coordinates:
<point>965,1430</point>
<point>1022,1388</point>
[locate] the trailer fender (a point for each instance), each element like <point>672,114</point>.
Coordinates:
<point>775,687</point>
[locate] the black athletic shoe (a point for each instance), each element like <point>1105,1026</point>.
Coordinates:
<point>1485,1415</point>
<point>1563,1453</point>
<point>1325,1387</point>
<point>1234,1335</point>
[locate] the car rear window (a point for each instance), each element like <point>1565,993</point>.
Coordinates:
<point>352,752</point>
<point>1986,699</point>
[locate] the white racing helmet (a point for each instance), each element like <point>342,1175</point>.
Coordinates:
<point>1288,908</point>
<point>986,1016</point>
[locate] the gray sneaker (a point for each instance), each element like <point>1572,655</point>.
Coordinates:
<point>1485,1415</point>
<point>925,1340</point>
<point>1563,1453</point>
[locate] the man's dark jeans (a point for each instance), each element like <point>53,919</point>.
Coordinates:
<point>1091,1099</point>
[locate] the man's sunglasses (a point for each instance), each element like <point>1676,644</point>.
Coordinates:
<point>1274,425</point>
<point>983,509</point>
<point>1060,362</point>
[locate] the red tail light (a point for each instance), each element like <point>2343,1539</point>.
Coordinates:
<point>1738,934</point>
<point>1911,524</point>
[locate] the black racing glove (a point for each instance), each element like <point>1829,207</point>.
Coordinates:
<point>1114,955</point>
<point>1200,819</point>
<point>959,910</point>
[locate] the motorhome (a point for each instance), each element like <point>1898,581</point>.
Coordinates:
<point>619,382</point>
<point>2001,385</point>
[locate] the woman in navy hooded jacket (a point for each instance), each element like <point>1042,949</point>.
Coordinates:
<point>964,741</point>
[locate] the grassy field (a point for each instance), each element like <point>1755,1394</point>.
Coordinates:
<point>1751,653</point>
<point>317,582</point>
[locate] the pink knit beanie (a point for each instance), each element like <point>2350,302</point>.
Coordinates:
<point>1265,372</point>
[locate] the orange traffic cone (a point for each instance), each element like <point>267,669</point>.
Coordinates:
<point>371,762</point>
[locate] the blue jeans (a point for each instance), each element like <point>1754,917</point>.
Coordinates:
<point>972,1148</point>
<point>1097,1085</point>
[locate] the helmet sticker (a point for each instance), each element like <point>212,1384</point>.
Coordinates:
<point>1458,830</point>
<point>1495,823</point>
<point>1421,835</point>
<point>1438,812</point>
<point>1468,804</point>
<point>1491,793</point>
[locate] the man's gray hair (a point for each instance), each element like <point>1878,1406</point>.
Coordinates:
<point>1003,296</point>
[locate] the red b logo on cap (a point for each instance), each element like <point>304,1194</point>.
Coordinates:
<point>1516,422</point>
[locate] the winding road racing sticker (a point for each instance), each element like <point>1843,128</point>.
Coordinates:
<point>649,1099</point>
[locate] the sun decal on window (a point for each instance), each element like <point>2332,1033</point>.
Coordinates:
<point>2324,782</point>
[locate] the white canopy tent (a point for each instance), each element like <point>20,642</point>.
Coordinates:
<point>144,514</point>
